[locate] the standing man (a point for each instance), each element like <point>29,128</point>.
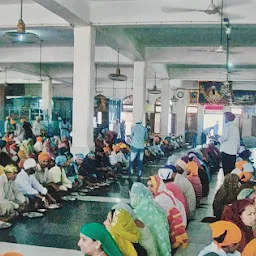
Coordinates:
<point>229,143</point>
<point>122,130</point>
<point>37,126</point>
<point>139,134</point>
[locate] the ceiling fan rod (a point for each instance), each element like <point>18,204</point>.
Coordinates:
<point>21,9</point>
<point>221,23</point>
<point>40,63</point>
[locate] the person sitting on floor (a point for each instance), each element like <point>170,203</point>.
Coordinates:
<point>57,175</point>
<point>226,238</point>
<point>11,200</point>
<point>165,174</point>
<point>250,249</point>
<point>73,169</point>
<point>185,185</point>
<point>226,194</point>
<point>243,214</point>
<point>96,240</point>
<point>28,185</point>
<point>192,170</point>
<point>146,239</point>
<point>244,167</point>
<point>38,146</point>
<point>173,209</point>
<point>42,169</point>
<point>123,229</point>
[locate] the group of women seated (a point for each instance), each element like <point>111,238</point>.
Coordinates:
<point>155,221</point>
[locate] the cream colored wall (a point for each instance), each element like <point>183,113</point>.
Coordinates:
<point>122,89</point>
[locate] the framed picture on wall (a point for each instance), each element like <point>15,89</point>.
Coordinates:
<point>193,97</point>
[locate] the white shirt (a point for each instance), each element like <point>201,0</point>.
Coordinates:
<point>213,248</point>
<point>28,184</point>
<point>113,158</point>
<point>230,141</point>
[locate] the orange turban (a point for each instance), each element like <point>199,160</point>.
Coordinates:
<point>192,168</point>
<point>11,254</point>
<point>231,231</point>
<point>43,157</point>
<point>240,164</point>
<point>250,249</point>
<point>245,176</point>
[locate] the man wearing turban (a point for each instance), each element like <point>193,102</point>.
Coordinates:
<point>11,200</point>
<point>226,237</point>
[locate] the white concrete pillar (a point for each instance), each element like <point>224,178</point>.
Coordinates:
<point>139,91</point>
<point>165,108</point>
<point>2,97</point>
<point>47,98</point>
<point>83,89</point>
<point>179,108</point>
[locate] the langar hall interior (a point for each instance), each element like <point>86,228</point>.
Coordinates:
<point>127,127</point>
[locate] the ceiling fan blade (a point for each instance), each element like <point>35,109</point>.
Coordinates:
<point>169,9</point>
<point>237,3</point>
<point>233,16</point>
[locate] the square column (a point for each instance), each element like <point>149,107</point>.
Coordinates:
<point>83,89</point>
<point>2,105</point>
<point>179,108</point>
<point>139,91</point>
<point>47,98</point>
<point>165,108</point>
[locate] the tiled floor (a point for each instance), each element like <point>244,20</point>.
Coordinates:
<point>60,228</point>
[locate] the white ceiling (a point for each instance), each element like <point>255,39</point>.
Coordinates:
<point>150,30</point>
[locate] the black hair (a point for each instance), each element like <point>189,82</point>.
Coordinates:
<point>221,238</point>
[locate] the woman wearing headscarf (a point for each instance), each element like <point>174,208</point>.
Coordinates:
<point>96,240</point>
<point>165,174</point>
<point>173,209</point>
<point>226,237</point>
<point>146,239</point>
<point>192,170</point>
<point>151,215</point>
<point>250,249</point>
<point>229,143</point>
<point>203,173</point>
<point>226,194</point>
<point>123,229</point>
<point>185,185</point>
<point>243,214</point>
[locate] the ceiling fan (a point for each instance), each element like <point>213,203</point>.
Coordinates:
<point>117,76</point>
<point>154,90</point>
<point>212,9</point>
<point>21,35</point>
<point>221,48</point>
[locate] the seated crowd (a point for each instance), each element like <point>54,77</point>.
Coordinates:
<point>40,171</point>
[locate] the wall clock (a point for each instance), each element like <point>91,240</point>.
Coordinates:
<point>180,94</point>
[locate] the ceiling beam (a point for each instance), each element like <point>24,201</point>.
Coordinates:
<point>77,13</point>
<point>116,38</point>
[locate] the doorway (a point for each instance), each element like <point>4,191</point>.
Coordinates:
<point>211,118</point>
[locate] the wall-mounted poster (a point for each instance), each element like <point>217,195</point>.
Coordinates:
<point>100,103</point>
<point>244,97</point>
<point>193,97</point>
<point>214,93</point>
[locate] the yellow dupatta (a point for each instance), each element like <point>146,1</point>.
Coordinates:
<point>125,232</point>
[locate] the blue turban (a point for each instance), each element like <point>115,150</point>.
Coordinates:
<point>60,160</point>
